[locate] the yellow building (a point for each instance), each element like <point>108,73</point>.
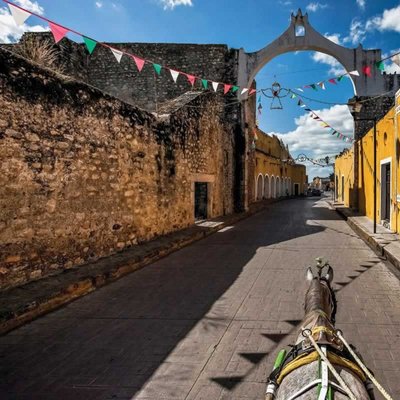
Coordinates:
<point>275,172</point>
<point>387,172</point>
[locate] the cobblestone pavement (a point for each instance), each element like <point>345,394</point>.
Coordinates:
<point>206,322</point>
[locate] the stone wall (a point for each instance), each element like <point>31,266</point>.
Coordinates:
<point>83,175</point>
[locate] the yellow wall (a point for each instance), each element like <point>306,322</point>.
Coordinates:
<point>344,174</point>
<point>387,143</point>
<point>270,168</point>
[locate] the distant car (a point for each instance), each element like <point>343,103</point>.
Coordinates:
<point>315,192</point>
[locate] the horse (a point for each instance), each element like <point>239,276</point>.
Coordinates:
<point>302,374</point>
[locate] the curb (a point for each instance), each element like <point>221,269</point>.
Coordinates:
<point>83,285</point>
<point>380,249</point>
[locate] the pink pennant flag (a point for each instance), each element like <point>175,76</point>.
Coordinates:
<point>227,88</point>
<point>333,81</point>
<point>307,87</point>
<point>58,31</point>
<point>139,62</point>
<point>191,79</point>
<point>367,70</point>
<point>252,91</point>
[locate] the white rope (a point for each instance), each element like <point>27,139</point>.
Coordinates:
<point>342,383</point>
<point>385,394</point>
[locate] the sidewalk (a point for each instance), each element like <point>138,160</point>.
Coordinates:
<point>24,303</point>
<point>385,243</point>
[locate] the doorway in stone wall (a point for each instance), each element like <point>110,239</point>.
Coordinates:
<point>200,200</point>
<point>296,189</point>
<point>385,191</point>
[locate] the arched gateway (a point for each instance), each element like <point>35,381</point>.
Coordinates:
<point>301,36</point>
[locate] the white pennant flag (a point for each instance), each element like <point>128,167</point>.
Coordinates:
<point>355,73</point>
<point>174,74</point>
<point>300,89</point>
<point>244,90</point>
<point>215,85</point>
<point>117,53</point>
<point>20,16</point>
<point>396,59</point>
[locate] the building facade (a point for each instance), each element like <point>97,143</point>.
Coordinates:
<point>275,172</point>
<point>387,172</point>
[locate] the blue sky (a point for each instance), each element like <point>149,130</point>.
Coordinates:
<point>250,24</point>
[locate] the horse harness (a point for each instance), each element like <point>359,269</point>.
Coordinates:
<point>304,353</point>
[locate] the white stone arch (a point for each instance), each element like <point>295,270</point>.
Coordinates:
<point>267,187</point>
<point>273,187</point>
<point>283,187</point>
<point>259,187</point>
<point>351,59</point>
<point>290,186</point>
<point>278,187</point>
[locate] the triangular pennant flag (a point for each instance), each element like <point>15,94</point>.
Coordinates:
<point>334,132</point>
<point>117,54</point>
<point>244,90</point>
<point>292,96</point>
<point>299,103</point>
<point>215,85</point>
<point>205,83</point>
<point>300,89</point>
<point>339,78</point>
<point>307,109</point>
<point>90,44</point>
<point>174,74</point>
<point>333,81</point>
<point>321,85</point>
<point>252,91</point>
<point>139,62</point>
<point>58,31</point>
<point>355,73</point>
<point>259,99</point>
<point>367,70</point>
<point>396,59</point>
<point>235,89</point>
<point>314,87</point>
<point>191,79</point>
<point>227,88</point>
<point>157,68</point>
<point>307,87</point>
<point>380,65</point>
<point>20,16</point>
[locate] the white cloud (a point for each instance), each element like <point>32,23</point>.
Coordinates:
<point>361,4</point>
<point>388,21</point>
<point>312,139</point>
<point>10,32</point>
<point>322,58</point>
<point>171,4</point>
<point>30,5</point>
<point>390,66</point>
<point>99,4</point>
<point>357,32</point>
<point>285,2</point>
<point>313,7</point>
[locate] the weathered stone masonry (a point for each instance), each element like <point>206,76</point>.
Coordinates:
<point>84,175</point>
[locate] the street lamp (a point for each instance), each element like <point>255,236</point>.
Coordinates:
<point>355,108</point>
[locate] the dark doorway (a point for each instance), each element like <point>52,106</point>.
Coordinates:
<point>296,189</point>
<point>336,187</point>
<point>385,192</point>
<point>342,189</point>
<point>200,200</point>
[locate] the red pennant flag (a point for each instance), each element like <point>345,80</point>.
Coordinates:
<point>367,70</point>
<point>191,79</point>
<point>333,81</point>
<point>58,31</point>
<point>307,87</point>
<point>139,63</point>
<point>252,91</point>
<point>227,88</point>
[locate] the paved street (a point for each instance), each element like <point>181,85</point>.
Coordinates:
<point>206,322</point>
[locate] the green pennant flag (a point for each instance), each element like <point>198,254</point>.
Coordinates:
<point>292,96</point>
<point>235,89</point>
<point>340,78</point>
<point>380,65</point>
<point>314,87</point>
<point>157,68</point>
<point>205,83</point>
<point>90,44</point>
